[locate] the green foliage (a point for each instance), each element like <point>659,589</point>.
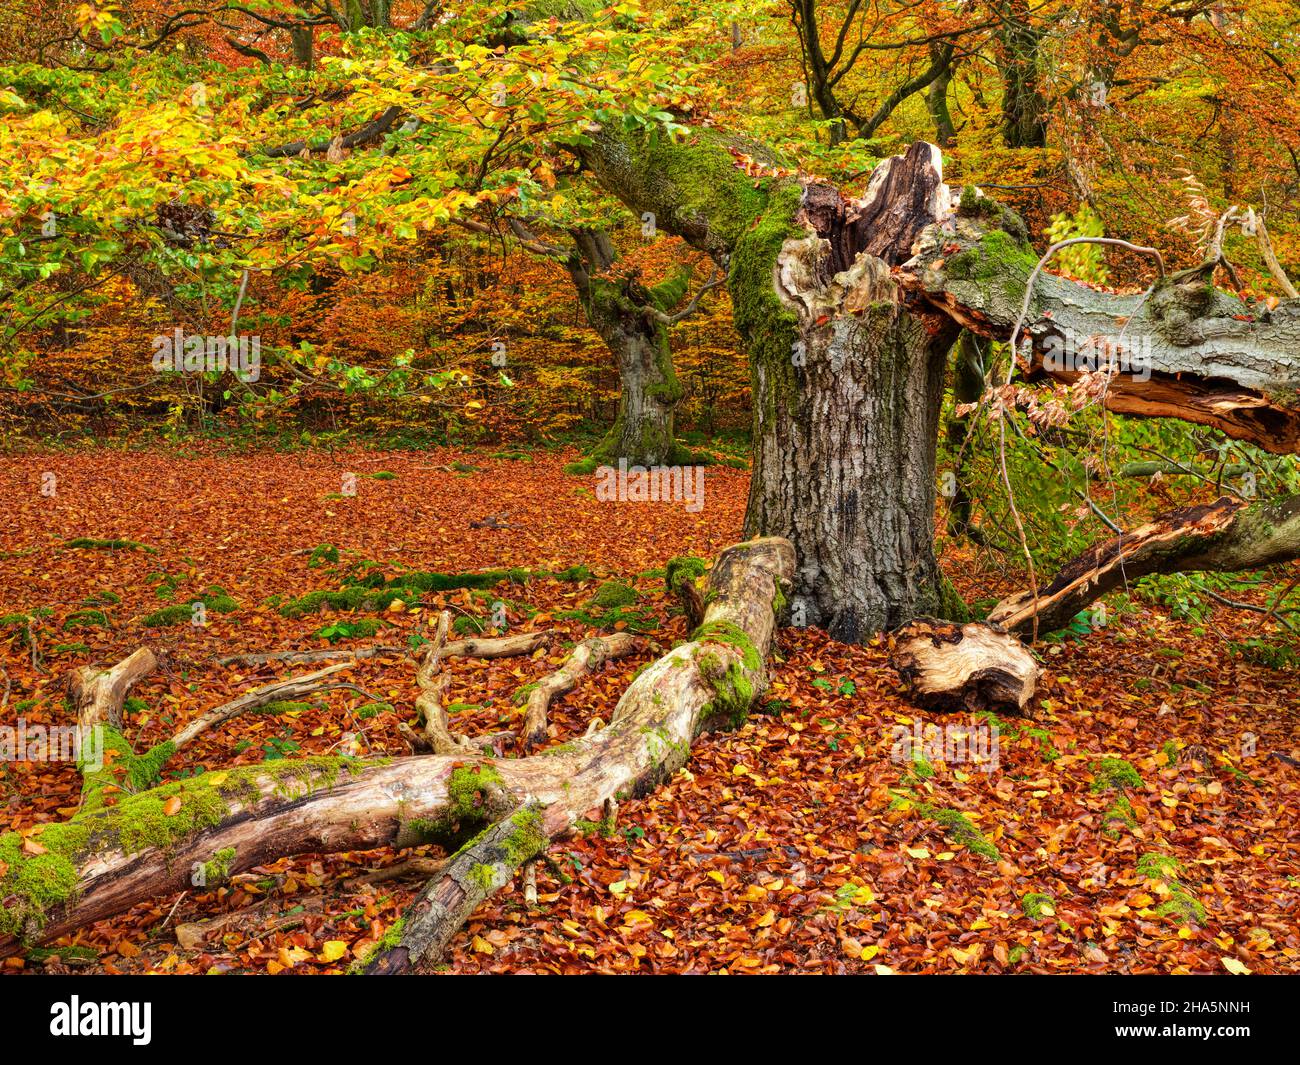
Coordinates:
<point>1087,262</point>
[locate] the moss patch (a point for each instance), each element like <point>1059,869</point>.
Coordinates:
<point>1114,774</point>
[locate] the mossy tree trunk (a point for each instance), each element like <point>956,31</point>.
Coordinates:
<point>623,311</point>
<point>847,381</point>
<point>1024,121</point>
<point>844,459</point>
<point>1186,350</point>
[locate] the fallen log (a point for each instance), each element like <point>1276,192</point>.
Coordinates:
<point>1227,535</point>
<point>1184,350</point>
<point>948,666</point>
<point>59,877</point>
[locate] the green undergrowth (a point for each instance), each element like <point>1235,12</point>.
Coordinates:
<point>1012,731</point>
<point>1181,904</point>
<point>613,606</point>
<point>91,543</point>
<point>1115,775</point>
<point>1037,905</point>
<point>959,829</point>
<point>374,592</point>
<point>214,600</point>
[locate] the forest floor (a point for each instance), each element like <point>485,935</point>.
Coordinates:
<point>800,842</point>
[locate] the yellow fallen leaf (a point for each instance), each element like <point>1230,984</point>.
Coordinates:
<point>870,952</point>
<point>332,950</point>
<point>618,888</point>
<point>481,946</point>
<point>918,852</point>
<point>1234,966</point>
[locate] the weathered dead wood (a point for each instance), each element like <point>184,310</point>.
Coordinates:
<point>437,735</point>
<point>433,686</point>
<point>588,657</point>
<point>948,666</point>
<point>292,688</point>
<point>1184,350</point>
<point>98,694</point>
<point>1226,535</point>
<point>524,643</point>
<point>255,814</point>
<point>709,682</point>
<point>478,870</point>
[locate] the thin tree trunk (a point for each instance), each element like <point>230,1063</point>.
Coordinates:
<point>936,102</point>
<point>1024,122</point>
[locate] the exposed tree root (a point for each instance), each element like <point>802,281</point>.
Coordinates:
<point>588,657</point>
<point>293,688</point>
<point>98,694</point>
<point>323,655</point>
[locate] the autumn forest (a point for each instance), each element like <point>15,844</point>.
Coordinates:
<point>559,487</point>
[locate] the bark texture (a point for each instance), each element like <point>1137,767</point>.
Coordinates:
<point>847,383</point>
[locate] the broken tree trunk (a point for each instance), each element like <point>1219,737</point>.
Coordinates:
<point>98,694</point>
<point>963,667</point>
<point>847,382</point>
<point>1226,535</point>
<point>58,877</point>
<point>1186,350</point>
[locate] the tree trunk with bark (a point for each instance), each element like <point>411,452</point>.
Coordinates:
<point>623,311</point>
<point>847,380</point>
<point>1024,121</point>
